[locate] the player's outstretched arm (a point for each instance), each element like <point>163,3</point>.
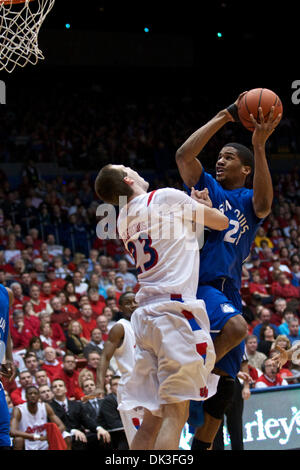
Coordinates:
<point>214,219</point>
<point>262,181</point>
<point>189,166</point>
<point>207,215</point>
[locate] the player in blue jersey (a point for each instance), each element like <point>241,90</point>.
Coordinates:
<point>223,253</point>
<point>6,363</point>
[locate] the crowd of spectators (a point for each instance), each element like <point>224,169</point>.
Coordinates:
<point>67,282</point>
<point>144,130</point>
<point>271,284</point>
<point>66,298</point>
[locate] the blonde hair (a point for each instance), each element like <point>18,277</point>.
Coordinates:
<point>71,324</point>
<point>282,338</point>
<point>82,373</point>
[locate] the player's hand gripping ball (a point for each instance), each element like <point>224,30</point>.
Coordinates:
<point>252,100</point>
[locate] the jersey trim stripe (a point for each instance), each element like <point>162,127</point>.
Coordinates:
<point>150,197</point>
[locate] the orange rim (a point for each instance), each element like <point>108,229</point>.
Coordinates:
<point>9,2</point>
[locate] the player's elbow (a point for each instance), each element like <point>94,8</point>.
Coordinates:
<point>262,212</point>
<point>180,155</point>
<point>226,223</point>
<point>215,220</point>
<point>223,223</point>
<point>262,207</point>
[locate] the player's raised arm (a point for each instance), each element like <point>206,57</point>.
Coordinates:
<point>189,166</point>
<point>262,181</point>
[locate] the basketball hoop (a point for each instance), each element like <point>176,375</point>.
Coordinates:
<point>20,23</point>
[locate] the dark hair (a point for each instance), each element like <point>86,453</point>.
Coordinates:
<point>122,296</point>
<point>31,386</point>
<point>66,285</point>
<point>114,377</point>
<point>29,354</point>
<point>56,379</point>
<point>263,329</point>
<point>69,354</point>
<point>32,340</point>
<point>109,185</point>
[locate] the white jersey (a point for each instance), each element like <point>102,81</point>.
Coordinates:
<point>124,355</point>
<point>34,424</point>
<point>157,230</point>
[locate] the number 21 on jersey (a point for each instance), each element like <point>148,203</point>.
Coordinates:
<point>232,235</point>
<point>143,253</point>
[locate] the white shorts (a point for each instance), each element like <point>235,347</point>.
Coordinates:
<point>131,419</point>
<point>174,356</point>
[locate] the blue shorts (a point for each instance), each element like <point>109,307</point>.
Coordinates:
<point>221,305</point>
<point>5,440</point>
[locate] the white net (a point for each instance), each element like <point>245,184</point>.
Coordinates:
<point>20,23</point>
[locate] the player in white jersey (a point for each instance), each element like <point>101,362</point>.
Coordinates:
<point>28,424</point>
<point>121,344</point>
<point>174,351</point>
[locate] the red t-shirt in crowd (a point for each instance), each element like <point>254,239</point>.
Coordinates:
<point>263,272</point>
<point>52,370</point>
<point>57,332</point>
<point>49,342</point>
<point>72,384</point>
<point>255,287</point>
<point>39,307</point>
<point>74,312</point>
<point>18,396</point>
<point>19,302</point>
<point>104,336</point>
<point>46,298</point>
<point>63,318</point>
<point>58,285</point>
<point>97,308</point>
<point>87,327</point>
<point>22,339</point>
<point>276,319</point>
<point>287,292</point>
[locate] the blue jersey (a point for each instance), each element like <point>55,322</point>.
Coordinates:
<point>5,440</point>
<point>225,251</point>
<point>4,320</point>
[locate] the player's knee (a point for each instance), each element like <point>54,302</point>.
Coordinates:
<point>218,403</point>
<point>177,412</point>
<point>237,328</point>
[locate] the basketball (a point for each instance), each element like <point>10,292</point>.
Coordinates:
<point>252,100</point>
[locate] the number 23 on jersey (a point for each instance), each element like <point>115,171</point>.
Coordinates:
<point>143,253</point>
